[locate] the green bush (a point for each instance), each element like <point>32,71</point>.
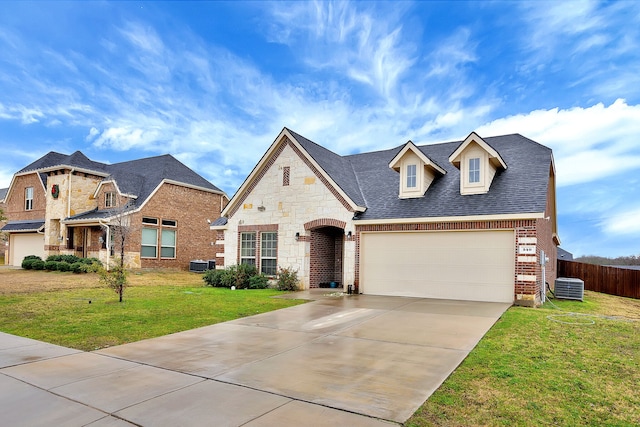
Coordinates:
<point>64,266</point>
<point>27,262</point>
<point>55,258</point>
<point>215,278</point>
<point>51,265</point>
<point>259,281</point>
<point>242,276</point>
<point>78,267</point>
<point>70,259</point>
<point>287,279</point>
<point>37,264</point>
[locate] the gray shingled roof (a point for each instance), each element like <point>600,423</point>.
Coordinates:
<point>339,168</point>
<point>367,178</point>
<point>135,177</point>
<point>28,225</point>
<point>3,193</point>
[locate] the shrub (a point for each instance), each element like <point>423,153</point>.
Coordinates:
<point>91,261</point>
<point>27,262</point>
<point>51,265</point>
<point>55,258</point>
<point>215,278</point>
<point>242,276</point>
<point>37,264</point>
<point>64,266</point>
<point>78,267</point>
<point>259,281</point>
<point>69,258</point>
<point>287,279</point>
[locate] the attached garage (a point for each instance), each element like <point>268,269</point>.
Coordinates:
<point>459,265</point>
<point>21,245</point>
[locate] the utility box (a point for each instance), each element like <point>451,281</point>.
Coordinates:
<point>569,288</point>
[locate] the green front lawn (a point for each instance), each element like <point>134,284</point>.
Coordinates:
<point>67,318</point>
<point>531,370</point>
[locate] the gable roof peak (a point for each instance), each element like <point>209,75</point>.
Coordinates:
<point>410,146</point>
<point>473,137</point>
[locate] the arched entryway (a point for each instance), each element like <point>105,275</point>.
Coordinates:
<point>326,252</point>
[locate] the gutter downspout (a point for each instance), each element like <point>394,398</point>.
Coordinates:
<point>69,193</point>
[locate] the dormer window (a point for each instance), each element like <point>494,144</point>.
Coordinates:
<point>411,176</point>
<point>109,199</point>
<point>417,171</point>
<point>474,170</point>
<point>478,163</point>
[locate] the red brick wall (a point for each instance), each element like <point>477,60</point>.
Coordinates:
<point>325,256</point>
<point>546,243</point>
<point>190,208</point>
<point>15,200</point>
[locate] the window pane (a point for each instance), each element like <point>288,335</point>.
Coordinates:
<point>248,261</point>
<point>168,248</point>
<point>149,236</point>
<point>411,176</point>
<point>248,245</point>
<point>168,237</point>
<point>167,252</point>
<point>149,248</point>
<point>268,267</point>
<point>474,170</point>
<point>269,245</point>
<point>169,222</point>
<point>148,251</point>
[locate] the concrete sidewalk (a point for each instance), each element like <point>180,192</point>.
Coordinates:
<point>341,360</point>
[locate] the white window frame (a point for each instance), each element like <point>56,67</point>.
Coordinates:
<point>269,251</point>
<point>474,174</point>
<point>149,245</point>
<point>167,245</point>
<point>109,199</point>
<point>412,176</point>
<point>28,199</point>
<point>248,247</point>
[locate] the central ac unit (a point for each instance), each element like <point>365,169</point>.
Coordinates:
<point>569,288</point>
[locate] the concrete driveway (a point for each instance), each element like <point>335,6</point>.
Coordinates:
<point>357,360</point>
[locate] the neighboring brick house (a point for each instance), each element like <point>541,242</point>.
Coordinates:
<point>467,220</point>
<point>69,204</point>
<point>3,236</point>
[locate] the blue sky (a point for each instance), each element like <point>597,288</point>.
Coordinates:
<point>213,83</point>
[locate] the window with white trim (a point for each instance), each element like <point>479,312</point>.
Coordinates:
<point>474,170</point>
<point>28,198</point>
<point>411,176</point>
<point>248,248</point>
<point>168,244</point>
<point>268,253</point>
<point>149,246</point>
<point>109,199</point>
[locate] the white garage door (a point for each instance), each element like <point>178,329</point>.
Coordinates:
<point>22,245</point>
<point>461,265</point>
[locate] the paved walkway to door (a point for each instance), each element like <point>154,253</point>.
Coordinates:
<point>357,360</point>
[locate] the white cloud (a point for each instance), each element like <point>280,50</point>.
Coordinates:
<point>589,143</point>
<point>623,223</point>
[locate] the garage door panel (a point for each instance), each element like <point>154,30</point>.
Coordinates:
<point>22,245</point>
<point>472,265</point>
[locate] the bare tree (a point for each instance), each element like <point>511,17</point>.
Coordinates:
<point>119,230</point>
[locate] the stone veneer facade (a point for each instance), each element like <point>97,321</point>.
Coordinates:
<point>288,193</point>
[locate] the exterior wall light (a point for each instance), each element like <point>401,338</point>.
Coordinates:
<point>297,236</point>
<point>349,234</point>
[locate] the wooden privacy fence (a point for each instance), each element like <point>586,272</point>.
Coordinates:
<point>623,282</point>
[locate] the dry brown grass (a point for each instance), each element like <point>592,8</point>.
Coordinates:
<point>18,281</point>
